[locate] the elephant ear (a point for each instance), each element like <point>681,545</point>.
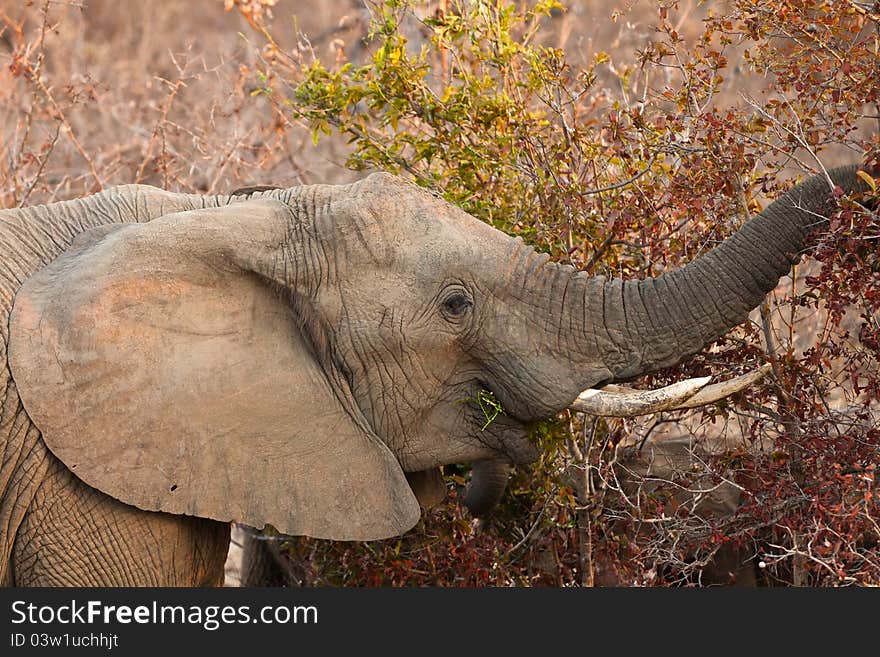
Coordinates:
<point>164,371</point>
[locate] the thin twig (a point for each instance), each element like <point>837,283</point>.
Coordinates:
<point>42,165</point>
<point>622,183</point>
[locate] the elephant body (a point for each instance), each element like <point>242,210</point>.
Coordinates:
<point>304,358</point>
<point>650,470</point>
<point>74,535</point>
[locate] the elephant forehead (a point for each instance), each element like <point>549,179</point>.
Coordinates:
<point>402,226</point>
<point>454,240</point>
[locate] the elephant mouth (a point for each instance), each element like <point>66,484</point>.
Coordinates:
<point>521,450</point>
<point>499,427</point>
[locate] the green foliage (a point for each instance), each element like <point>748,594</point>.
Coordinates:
<point>488,404</point>
<point>472,111</point>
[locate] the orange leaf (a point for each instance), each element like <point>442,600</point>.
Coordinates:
<point>868,179</point>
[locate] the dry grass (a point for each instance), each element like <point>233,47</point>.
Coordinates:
<point>100,93</point>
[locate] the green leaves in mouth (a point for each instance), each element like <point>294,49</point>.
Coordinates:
<point>488,404</point>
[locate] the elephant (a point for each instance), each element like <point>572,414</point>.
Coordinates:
<point>303,357</point>
<point>649,469</point>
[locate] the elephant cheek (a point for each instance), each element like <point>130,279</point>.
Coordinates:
<point>428,486</point>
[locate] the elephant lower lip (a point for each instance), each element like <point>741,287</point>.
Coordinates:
<point>522,453</point>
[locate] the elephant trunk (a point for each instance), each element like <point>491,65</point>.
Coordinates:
<point>614,330</point>
<point>487,485</point>
<point>654,323</point>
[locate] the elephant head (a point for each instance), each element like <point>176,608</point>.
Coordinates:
<point>290,356</point>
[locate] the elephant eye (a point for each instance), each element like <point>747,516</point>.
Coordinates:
<point>456,304</point>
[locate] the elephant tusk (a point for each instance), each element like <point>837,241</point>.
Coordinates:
<point>629,403</point>
<point>716,391</point>
<point>617,401</point>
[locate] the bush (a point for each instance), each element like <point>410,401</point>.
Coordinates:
<point>632,168</point>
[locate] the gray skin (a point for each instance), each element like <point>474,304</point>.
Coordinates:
<point>285,357</point>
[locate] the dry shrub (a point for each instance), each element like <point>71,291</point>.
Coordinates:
<point>103,93</point>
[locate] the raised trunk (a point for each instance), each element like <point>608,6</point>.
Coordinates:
<point>635,327</point>
<point>678,313</point>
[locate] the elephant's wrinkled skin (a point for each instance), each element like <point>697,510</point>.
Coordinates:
<point>174,362</point>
